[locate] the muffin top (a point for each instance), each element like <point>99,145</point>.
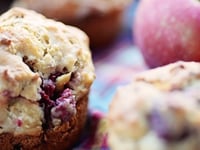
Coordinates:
<point>69,9</point>
<point>42,63</point>
<point>164,100</point>
<point>41,47</point>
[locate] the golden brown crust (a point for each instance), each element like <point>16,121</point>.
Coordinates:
<point>58,138</point>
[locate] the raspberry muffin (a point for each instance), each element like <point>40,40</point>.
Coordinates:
<point>159,110</point>
<point>100,19</point>
<point>45,73</point>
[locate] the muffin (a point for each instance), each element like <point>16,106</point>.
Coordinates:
<point>100,19</point>
<point>158,110</point>
<point>45,73</point>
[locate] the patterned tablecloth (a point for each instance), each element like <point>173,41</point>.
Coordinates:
<point>115,66</point>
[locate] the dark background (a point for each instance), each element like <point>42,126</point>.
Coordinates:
<point>5,5</point>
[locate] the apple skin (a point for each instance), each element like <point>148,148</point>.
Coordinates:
<point>167,31</point>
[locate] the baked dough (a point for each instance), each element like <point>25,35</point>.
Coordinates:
<point>158,110</point>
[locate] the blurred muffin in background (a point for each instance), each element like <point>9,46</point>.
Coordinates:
<point>158,110</point>
<point>100,19</point>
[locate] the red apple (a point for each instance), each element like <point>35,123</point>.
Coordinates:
<point>168,30</point>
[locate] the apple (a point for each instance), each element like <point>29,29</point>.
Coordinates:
<point>167,31</point>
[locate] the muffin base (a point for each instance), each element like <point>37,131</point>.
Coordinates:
<point>102,29</point>
<point>58,138</point>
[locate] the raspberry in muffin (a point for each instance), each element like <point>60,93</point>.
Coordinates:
<point>100,19</point>
<point>46,72</point>
<point>159,110</point>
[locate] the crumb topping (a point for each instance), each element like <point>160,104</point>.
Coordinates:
<point>161,104</point>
